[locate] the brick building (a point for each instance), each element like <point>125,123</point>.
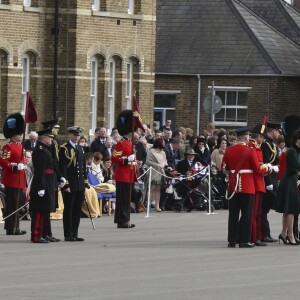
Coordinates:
<point>105,52</point>
<point>250,49</point>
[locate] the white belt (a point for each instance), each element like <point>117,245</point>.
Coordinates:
<point>242,171</point>
<point>132,163</point>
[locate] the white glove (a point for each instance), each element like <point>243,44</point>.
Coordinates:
<point>275,169</point>
<point>21,166</point>
<point>269,187</point>
<point>41,193</point>
<point>62,182</point>
<point>131,157</point>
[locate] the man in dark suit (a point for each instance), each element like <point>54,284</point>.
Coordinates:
<point>187,163</point>
<point>172,153</point>
<point>73,168</point>
<point>98,145</point>
<point>29,145</point>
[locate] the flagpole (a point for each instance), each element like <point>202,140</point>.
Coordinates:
<point>132,152</point>
<point>20,172</point>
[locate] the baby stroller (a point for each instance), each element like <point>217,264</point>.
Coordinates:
<point>172,201</point>
<point>195,192</point>
<point>219,187</point>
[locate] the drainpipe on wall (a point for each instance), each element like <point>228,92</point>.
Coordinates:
<point>55,67</point>
<point>198,104</point>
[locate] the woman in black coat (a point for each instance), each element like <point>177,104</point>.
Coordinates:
<point>42,193</point>
<point>202,152</point>
<point>288,201</point>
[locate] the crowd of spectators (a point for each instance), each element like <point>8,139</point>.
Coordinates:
<point>159,148</point>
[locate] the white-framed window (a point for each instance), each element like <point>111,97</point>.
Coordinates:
<point>25,80</point>
<point>129,77</point>
<point>93,95</point>
<point>27,3</point>
<point>130,7</point>
<point>111,94</point>
<point>234,111</point>
<point>95,5</point>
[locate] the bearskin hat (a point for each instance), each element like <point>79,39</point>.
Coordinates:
<point>124,121</point>
<point>14,125</point>
<point>289,125</point>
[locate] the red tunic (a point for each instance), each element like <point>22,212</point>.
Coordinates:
<point>232,156</point>
<point>258,177</point>
<point>124,169</point>
<point>9,158</point>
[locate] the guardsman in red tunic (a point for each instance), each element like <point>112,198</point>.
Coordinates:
<point>13,176</point>
<point>240,161</point>
<point>257,137</point>
<point>125,173</point>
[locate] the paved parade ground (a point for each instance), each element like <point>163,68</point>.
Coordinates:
<point>167,256</point>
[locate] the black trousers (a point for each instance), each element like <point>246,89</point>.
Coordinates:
<point>11,206</point>
<point>72,212</point>
<point>37,225</point>
<point>47,225</point>
<point>265,226</point>
<point>122,212</point>
<point>239,228</point>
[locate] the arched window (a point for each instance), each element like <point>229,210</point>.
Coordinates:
<point>28,63</point>
<point>27,3</point>
<point>132,80</point>
<point>111,94</point>
<point>129,67</point>
<point>3,83</point>
<point>96,91</point>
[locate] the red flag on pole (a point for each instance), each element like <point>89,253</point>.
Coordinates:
<point>137,121</point>
<point>30,113</point>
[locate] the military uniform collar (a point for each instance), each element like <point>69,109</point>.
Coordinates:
<point>73,144</point>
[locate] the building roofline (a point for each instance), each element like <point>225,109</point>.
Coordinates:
<point>252,36</point>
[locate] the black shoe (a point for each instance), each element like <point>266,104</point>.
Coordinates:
<point>260,243</point>
<point>41,241</point>
<point>231,245</point>
<point>69,239</point>
<point>269,239</point>
<point>289,242</point>
<point>273,240</point>
<point>51,239</point>
<point>282,238</point>
<point>126,225</point>
<point>78,239</point>
<point>246,245</point>
<point>17,232</point>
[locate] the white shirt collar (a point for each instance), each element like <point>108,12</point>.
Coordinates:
<point>73,144</point>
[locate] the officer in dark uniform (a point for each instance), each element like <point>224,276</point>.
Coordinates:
<point>13,175</point>
<point>42,193</point>
<point>73,167</point>
<point>270,156</point>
